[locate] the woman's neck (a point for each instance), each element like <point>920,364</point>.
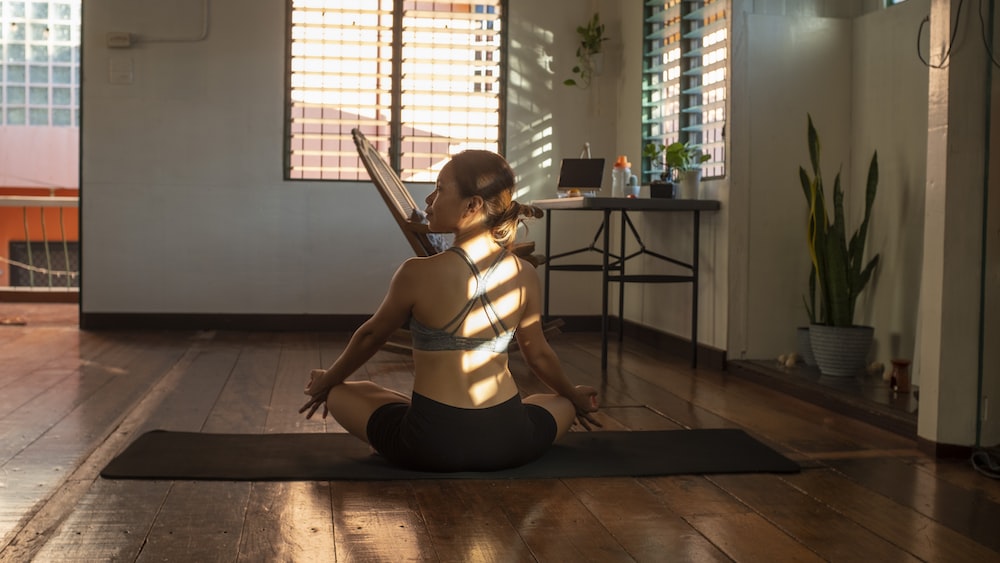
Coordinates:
<point>477,244</point>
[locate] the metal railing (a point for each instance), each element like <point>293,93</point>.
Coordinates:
<point>39,256</point>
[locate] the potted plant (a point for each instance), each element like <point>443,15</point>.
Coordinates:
<point>589,54</point>
<point>839,272</point>
<point>663,186</point>
<point>681,162</point>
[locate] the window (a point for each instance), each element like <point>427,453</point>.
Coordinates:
<point>422,79</point>
<point>685,78</point>
<point>40,63</point>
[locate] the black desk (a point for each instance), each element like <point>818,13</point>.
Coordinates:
<point>616,262</point>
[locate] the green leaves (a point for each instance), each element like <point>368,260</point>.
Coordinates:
<point>837,270</point>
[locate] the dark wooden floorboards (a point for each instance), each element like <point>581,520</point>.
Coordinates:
<point>71,400</point>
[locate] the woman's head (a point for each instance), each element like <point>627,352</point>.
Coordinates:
<point>486,175</point>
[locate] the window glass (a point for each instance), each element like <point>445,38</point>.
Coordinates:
<point>685,79</point>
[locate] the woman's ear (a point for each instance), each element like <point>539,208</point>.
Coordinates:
<point>475,204</point>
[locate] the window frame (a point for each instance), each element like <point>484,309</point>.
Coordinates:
<point>394,150</point>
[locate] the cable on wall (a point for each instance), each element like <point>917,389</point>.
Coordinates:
<point>984,35</point>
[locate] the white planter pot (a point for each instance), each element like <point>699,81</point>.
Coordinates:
<point>689,182</point>
<point>841,351</point>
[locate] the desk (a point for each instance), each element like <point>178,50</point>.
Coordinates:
<point>616,262</point>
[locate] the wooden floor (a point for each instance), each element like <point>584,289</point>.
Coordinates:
<point>70,400</point>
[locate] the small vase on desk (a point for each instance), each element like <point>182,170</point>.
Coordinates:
<point>689,182</point>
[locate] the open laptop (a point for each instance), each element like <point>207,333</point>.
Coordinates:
<point>582,174</point>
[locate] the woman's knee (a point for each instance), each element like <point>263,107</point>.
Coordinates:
<point>561,409</point>
<point>352,403</point>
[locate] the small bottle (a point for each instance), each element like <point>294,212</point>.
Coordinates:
<point>620,176</point>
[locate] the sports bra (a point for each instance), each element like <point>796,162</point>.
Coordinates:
<point>434,339</point>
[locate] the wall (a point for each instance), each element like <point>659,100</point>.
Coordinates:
<point>860,80</point>
<point>184,205</point>
<point>890,115</point>
<point>548,121</point>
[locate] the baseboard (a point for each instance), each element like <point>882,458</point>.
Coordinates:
<point>670,344</point>
<point>944,451</point>
<point>220,321</point>
<point>40,295</point>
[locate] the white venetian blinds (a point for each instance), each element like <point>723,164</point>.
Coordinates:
<point>421,79</point>
<point>685,77</point>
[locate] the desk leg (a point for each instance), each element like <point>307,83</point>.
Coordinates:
<point>604,291</point>
<point>621,284</point>
<point>548,248</point>
<point>694,291</point>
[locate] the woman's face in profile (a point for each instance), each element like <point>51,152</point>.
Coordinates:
<point>445,204</point>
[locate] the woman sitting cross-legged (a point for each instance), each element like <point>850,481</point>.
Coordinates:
<point>464,306</point>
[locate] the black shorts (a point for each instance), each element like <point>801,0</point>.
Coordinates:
<point>431,436</point>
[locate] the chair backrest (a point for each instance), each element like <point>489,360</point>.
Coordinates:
<point>396,195</point>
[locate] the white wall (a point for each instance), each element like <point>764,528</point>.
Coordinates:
<point>860,80</point>
<point>184,205</point>
<point>548,121</point>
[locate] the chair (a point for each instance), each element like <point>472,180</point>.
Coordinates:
<point>405,211</point>
<point>411,221</point>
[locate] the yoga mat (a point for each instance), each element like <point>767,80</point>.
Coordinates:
<point>331,457</point>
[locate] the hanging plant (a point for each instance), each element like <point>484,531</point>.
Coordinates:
<point>588,52</point>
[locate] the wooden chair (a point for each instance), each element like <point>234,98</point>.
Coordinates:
<point>410,219</point>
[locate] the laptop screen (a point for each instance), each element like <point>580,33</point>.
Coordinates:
<point>582,174</point>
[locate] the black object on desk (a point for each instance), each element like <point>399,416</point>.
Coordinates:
<point>616,262</point>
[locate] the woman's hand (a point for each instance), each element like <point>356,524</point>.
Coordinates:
<point>584,398</point>
<point>318,391</point>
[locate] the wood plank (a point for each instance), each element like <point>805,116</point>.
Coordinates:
<point>465,524</point>
<point>198,521</point>
<point>901,525</point>
<point>795,426</point>
<point>379,521</point>
<point>871,497</point>
<point>815,525</point>
<point>243,401</point>
<point>961,474</point>
<point>283,521</point>
<point>79,419</point>
<point>553,522</point>
<point>646,528</point>
<point>300,354</point>
<point>288,522</point>
<point>693,495</point>
<point>110,522</point>
<point>955,507</point>
<point>750,538</point>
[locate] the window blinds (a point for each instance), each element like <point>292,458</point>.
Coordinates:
<point>421,79</point>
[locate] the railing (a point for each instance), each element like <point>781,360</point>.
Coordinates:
<point>39,248</point>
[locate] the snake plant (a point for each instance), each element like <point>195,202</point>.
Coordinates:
<point>837,270</point>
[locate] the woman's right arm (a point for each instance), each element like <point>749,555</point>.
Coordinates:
<point>373,333</point>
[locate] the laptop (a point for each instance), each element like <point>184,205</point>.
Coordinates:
<point>581,174</point>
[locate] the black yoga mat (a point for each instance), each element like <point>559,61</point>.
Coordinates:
<point>330,457</point>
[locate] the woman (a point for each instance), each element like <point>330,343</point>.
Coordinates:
<point>463,306</point>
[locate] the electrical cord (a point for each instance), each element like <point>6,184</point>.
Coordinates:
<point>982,29</point>
<point>954,33</point>
<point>951,41</point>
